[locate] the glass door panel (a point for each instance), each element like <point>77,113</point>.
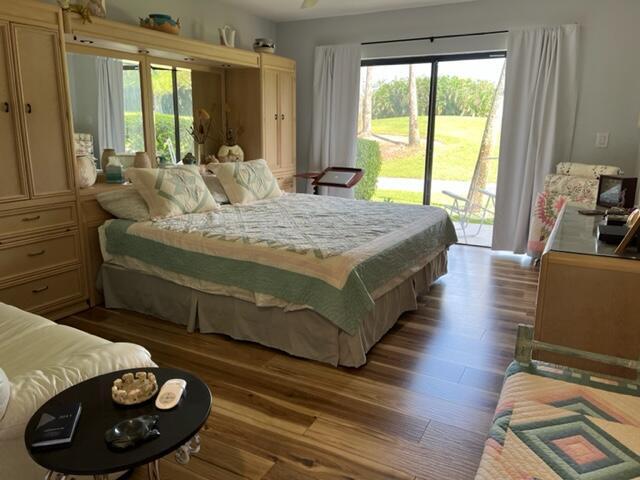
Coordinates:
<point>393,120</point>
<point>466,144</point>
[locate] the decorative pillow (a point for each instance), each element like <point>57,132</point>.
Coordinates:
<point>246,182</point>
<point>169,192</point>
<point>5,392</point>
<point>125,203</point>
<point>215,187</point>
<point>586,170</point>
<point>545,213</point>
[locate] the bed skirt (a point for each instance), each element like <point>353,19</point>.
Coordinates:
<point>302,333</point>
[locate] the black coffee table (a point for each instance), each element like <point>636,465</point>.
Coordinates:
<point>89,453</point>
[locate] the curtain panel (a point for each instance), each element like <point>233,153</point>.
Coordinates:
<point>541,98</point>
<point>336,88</point>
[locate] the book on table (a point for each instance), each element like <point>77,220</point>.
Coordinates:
<point>57,426</point>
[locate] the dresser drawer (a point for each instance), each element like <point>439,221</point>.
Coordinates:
<point>39,254</point>
<point>36,295</point>
<point>33,221</point>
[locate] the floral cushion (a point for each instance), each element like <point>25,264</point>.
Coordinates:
<point>169,192</point>
<point>579,190</point>
<point>586,170</point>
<point>546,211</point>
<point>246,182</point>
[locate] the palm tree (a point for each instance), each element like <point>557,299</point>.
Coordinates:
<point>414,128</point>
<point>367,103</point>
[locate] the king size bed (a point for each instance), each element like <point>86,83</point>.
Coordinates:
<point>322,278</point>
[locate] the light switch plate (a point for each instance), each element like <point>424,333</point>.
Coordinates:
<point>602,139</point>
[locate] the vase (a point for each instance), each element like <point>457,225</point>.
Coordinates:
<point>200,153</point>
<point>106,154</point>
<point>230,153</point>
<point>141,160</point>
<point>87,171</point>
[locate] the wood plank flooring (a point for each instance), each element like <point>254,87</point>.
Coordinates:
<point>420,409</point>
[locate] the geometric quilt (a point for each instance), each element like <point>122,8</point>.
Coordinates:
<point>561,427</point>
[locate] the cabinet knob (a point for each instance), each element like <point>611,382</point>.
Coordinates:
<point>282,117</point>
<point>28,108</point>
<point>5,107</point>
<point>41,289</point>
<point>36,254</point>
<point>31,219</point>
<point>275,116</point>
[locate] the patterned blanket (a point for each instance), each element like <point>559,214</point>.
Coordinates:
<point>558,424</point>
<point>325,253</point>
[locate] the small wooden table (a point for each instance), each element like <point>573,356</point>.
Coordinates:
<point>588,295</point>
<point>89,454</point>
<point>319,179</point>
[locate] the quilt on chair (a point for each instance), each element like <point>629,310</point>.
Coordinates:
<point>554,423</point>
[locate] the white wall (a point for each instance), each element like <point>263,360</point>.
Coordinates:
<point>200,19</point>
<point>610,89</point>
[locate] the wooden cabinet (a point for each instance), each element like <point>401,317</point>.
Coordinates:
<point>279,115</point>
<point>41,256</point>
<point>42,101</point>
<point>13,183</point>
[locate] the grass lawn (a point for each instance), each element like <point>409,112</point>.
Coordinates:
<point>457,144</point>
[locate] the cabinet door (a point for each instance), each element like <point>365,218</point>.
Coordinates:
<point>13,184</point>
<point>43,101</point>
<point>271,117</point>
<point>287,96</point>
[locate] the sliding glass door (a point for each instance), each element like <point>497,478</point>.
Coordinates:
<point>436,124</point>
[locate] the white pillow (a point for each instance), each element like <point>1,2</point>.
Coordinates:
<point>125,203</point>
<point>247,182</point>
<point>215,187</point>
<point>5,393</point>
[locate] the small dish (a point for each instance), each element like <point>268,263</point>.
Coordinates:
<point>134,389</point>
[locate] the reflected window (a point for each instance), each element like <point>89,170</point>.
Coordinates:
<point>172,111</point>
<point>106,100</point>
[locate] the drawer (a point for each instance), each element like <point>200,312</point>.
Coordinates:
<point>39,254</point>
<point>32,221</point>
<point>287,184</point>
<point>93,213</point>
<point>36,295</point>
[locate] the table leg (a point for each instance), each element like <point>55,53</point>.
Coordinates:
<point>183,454</point>
<point>153,469</point>
<point>54,476</point>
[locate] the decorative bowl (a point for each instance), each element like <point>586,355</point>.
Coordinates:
<point>264,45</point>
<point>134,389</point>
<point>162,23</point>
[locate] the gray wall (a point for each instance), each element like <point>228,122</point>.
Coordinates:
<point>610,94</point>
<point>200,19</point>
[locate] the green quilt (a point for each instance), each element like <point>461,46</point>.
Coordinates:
<point>326,253</point>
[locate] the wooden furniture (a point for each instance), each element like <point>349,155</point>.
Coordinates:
<point>40,245</point>
<point>323,179</point>
<point>587,295</point>
<point>89,454</point>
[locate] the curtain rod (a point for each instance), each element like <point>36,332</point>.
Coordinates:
<point>435,37</point>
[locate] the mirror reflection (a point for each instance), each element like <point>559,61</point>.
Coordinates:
<point>106,101</point>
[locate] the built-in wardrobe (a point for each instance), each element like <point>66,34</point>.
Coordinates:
<point>49,247</point>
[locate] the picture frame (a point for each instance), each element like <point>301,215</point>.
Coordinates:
<point>634,227</point>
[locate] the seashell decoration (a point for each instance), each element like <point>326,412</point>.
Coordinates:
<point>133,389</point>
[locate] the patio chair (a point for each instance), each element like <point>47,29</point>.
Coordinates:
<point>463,208</point>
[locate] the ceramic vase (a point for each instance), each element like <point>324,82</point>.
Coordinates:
<point>142,160</point>
<point>87,171</point>
<point>104,159</point>
<point>200,153</point>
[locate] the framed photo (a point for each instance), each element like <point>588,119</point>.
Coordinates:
<point>634,227</point>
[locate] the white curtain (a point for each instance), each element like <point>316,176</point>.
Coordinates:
<point>336,93</point>
<point>541,98</point>
<point>111,130</point>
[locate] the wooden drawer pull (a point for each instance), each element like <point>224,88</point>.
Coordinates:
<point>36,254</point>
<point>41,289</point>
<point>31,219</point>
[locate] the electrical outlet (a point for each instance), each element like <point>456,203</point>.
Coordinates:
<point>602,139</point>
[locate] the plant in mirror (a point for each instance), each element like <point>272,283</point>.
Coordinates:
<point>106,104</point>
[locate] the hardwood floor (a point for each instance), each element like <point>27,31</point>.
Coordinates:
<point>420,409</point>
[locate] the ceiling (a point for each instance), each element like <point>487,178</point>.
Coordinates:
<point>289,10</point>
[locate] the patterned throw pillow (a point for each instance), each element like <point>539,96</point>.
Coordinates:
<point>125,202</point>
<point>172,191</point>
<point>246,182</point>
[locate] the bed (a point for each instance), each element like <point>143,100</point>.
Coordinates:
<point>318,277</point>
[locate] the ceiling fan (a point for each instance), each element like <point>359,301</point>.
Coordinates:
<point>309,3</point>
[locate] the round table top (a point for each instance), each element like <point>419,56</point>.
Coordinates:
<point>89,454</point>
